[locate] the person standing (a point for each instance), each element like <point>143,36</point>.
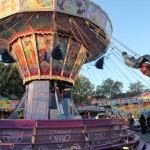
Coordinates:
<point>143,124</point>
<point>148,121</point>
<point>131,122</point>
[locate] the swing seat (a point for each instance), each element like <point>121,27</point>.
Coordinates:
<point>145,69</point>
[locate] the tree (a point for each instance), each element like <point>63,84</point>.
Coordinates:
<point>10,81</point>
<point>82,90</point>
<point>109,88</point>
<point>136,88</point>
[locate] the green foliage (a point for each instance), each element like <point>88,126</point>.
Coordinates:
<point>83,88</point>
<point>109,88</point>
<point>10,82</point>
<point>136,88</point>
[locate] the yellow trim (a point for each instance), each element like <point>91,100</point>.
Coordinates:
<point>47,78</point>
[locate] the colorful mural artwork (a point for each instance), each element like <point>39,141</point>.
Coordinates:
<point>33,53</point>
<point>43,46</point>
<point>123,101</point>
<point>135,105</point>
<point>72,53</point>
<point>8,7</point>
<point>146,106</point>
<point>58,64</point>
<point>16,48</point>
<point>37,4</point>
<point>90,108</point>
<point>11,104</point>
<point>72,6</point>
<point>29,51</point>
<point>135,109</point>
<point>130,108</point>
<point>78,62</point>
<point>93,14</point>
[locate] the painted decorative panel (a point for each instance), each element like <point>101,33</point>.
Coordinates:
<point>17,49</point>
<point>96,15</point>
<point>28,45</point>
<point>71,56</point>
<point>34,60</point>
<point>7,7</point>
<point>44,43</point>
<point>72,6</point>
<point>57,65</point>
<point>37,4</point>
<point>79,61</point>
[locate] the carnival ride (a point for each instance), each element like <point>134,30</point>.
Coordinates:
<point>49,40</point>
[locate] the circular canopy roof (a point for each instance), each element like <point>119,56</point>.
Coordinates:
<point>30,29</point>
<point>81,19</point>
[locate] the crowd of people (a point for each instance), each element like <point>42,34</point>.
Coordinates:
<point>144,123</point>
<point>130,121</point>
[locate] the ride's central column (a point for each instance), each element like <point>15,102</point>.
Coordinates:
<point>37,102</point>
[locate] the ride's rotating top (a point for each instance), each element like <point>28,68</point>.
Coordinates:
<point>30,30</point>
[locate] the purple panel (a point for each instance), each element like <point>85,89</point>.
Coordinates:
<point>57,146</point>
<point>16,135</point>
<point>94,122</point>
<point>59,123</point>
<point>17,124</point>
<point>60,135</point>
<point>103,131</point>
<point>16,147</point>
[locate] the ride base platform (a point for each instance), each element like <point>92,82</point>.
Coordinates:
<point>74,134</point>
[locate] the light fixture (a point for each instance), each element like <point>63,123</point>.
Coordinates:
<point>125,147</point>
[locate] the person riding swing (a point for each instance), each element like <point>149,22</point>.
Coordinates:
<point>139,63</point>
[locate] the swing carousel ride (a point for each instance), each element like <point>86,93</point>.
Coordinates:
<point>49,40</point>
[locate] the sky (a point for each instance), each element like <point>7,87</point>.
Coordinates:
<point>131,26</point>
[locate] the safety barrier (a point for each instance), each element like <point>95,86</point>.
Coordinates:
<point>64,134</point>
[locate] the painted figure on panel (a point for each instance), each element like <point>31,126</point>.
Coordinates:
<point>72,53</point>
<point>74,6</point>
<point>20,57</point>
<point>29,52</point>
<point>71,56</point>
<point>93,14</point>
<point>43,45</point>
<point>28,47</point>
<point>7,6</point>
<point>44,48</point>
<point>37,4</point>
